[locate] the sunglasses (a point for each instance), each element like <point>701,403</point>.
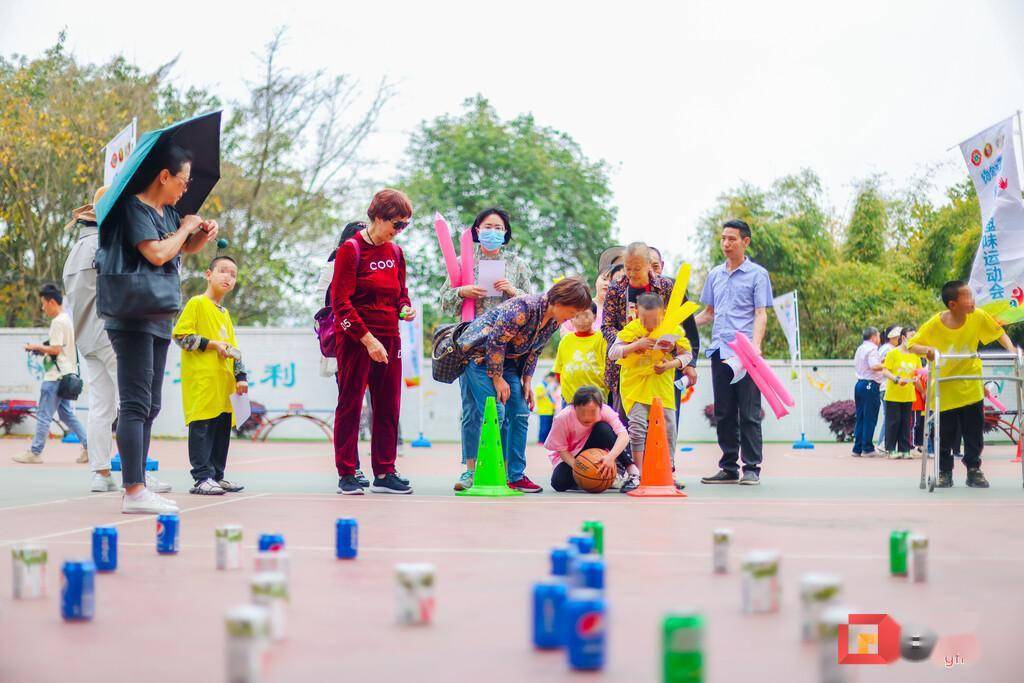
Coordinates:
<point>401,225</point>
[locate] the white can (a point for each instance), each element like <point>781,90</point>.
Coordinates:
<point>270,590</point>
<point>248,630</point>
<point>273,562</point>
<point>829,668</point>
<point>29,571</point>
<point>761,582</point>
<point>229,546</point>
<point>720,539</point>
<point>918,544</point>
<point>414,593</point>
<point>817,593</point>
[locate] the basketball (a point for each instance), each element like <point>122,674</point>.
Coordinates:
<point>587,474</point>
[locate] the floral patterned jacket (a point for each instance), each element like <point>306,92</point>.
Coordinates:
<point>616,317</point>
<point>516,272</point>
<point>511,330</point>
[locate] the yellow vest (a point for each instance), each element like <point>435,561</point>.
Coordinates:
<point>207,380</point>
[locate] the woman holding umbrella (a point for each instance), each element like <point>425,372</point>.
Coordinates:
<point>145,226</point>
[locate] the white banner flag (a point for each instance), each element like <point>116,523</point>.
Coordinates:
<point>997,276</point>
<point>117,151</point>
<point>412,347</point>
<point>785,309</point>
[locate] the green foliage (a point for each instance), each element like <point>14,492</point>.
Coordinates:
<point>560,202</point>
<point>865,234</point>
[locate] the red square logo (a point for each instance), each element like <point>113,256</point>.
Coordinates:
<point>875,639</point>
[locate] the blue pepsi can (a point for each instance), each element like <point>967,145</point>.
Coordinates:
<point>271,542</point>
<point>561,561</point>
<point>590,572</point>
<point>548,601</point>
<point>104,548</point>
<point>584,544</point>
<point>585,629</point>
<point>346,538</point>
<point>167,534</point>
<point>77,591</point>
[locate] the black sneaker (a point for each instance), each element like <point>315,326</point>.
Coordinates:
<point>976,479</point>
<point>389,483</point>
<point>361,479</point>
<point>945,480</point>
<point>400,478</point>
<point>680,486</point>
<point>722,477</point>
<point>349,486</point>
<point>750,479</point>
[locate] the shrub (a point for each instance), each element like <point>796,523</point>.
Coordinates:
<point>841,417</point>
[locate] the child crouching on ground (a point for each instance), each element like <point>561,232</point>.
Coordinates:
<point>648,369</point>
<point>211,370</point>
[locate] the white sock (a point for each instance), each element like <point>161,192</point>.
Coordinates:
<point>633,469</point>
<point>136,496</point>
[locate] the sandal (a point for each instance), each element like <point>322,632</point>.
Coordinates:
<point>229,487</point>
<point>207,487</point>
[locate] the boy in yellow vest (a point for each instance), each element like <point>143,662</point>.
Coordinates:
<point>211,370</point>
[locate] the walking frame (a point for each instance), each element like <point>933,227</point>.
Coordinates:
<point>933,415</point>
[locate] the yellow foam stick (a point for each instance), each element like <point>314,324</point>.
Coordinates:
<point>673,319</point>
<point>675,299</point>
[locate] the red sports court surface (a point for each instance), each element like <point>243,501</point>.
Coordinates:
<point>160,618</point>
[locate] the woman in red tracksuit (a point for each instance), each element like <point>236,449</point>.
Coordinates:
<point>367,294</point>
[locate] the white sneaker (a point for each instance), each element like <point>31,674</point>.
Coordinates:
<point>168,501</point>
<point>28,458</point>
<point>146,503</point>
<point>157,486</point>
<point>101,484</point>
<point>207,487</point>
<point>83,457</point>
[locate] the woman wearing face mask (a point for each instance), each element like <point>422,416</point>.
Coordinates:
<point>492,230</point>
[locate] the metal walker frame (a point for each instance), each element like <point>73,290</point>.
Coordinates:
<point>932,414</point>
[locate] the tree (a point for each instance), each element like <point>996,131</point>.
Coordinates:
<point>55,116</point>
<point>865,233</point>
<point>559,200</point>
<point>290,161</point>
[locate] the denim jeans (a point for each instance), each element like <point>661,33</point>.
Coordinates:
<point>867,399</point>
<point>471,421</point>
<point>513,415</point>
<point>49,404</point>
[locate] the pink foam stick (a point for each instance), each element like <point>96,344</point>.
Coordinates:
<point>466,260</point>
<point>996,403</point>
<point>766,389</point>
<point>765,370</point>
<point>444,239</point>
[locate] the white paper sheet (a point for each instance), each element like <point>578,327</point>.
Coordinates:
<point>490,272</point>
<point>241,407</point>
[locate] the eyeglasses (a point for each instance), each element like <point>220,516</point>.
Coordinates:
<point>401,225</point>
<point>185,182</point>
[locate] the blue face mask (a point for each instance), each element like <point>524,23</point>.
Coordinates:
<point>491,240</point>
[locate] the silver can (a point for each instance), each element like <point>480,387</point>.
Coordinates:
<point>817,593</point>
<point>274,562</point>
<point>229,546</point>
<point>414,593</point>
<point>248,632</point>
<point>918,557</point>
<point>720,539</point>
<point>28,562</point>
<point>270,590</point>
<point>761,582</point>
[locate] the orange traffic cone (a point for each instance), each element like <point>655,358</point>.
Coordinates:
<point>656,476</point>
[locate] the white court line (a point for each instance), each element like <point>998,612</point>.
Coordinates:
<point>134,519</point>
<point>58,500</point>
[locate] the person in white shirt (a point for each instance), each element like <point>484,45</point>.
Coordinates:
<point>59,359</point>
<point>867,364</point>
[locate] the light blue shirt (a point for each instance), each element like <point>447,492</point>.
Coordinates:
<point>735,296</point>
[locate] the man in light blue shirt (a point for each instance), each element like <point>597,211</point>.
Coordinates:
<point>736,296</point>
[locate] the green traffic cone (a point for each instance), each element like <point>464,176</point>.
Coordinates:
<point>490,479</point>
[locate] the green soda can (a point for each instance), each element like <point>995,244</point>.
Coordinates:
<point>898,553</point>
<point>682,645</point>
<point>596,531</point>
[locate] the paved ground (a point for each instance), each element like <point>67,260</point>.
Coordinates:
<point>162,616</point>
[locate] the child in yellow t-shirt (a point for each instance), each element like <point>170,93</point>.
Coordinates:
<point>211,370</point>
<point>546,400</point>
<point>899,367</point>
<point>581,356</point>
<point>647,371</point>
<point>960,329</point>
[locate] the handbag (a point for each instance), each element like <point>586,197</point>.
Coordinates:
<point>129,287</point>
<point>448,359</point>
<point>69,386</point>
<point>323,320</point>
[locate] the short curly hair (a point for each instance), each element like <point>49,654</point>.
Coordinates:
<point>388,205</point>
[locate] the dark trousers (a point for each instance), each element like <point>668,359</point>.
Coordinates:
<point>356,373</point>
<point>141,358</point>
<point>545,427</point>
<point>918,428</point>
<point>969,422</point>
<point>866,398</point>
<point>737,413</point>
<point>601,437</point>
<point>897,426</point>
<point>208,442</point>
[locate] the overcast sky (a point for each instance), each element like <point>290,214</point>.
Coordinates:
<point>683,99</point>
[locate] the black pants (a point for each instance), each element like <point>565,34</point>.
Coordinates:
<point>737,412</point>
<point>969,422</point>
<point>601,437</point>
<point>141,358</point>
<point>208,442</point>
<point>918,428</point>
<point>897,426</point>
